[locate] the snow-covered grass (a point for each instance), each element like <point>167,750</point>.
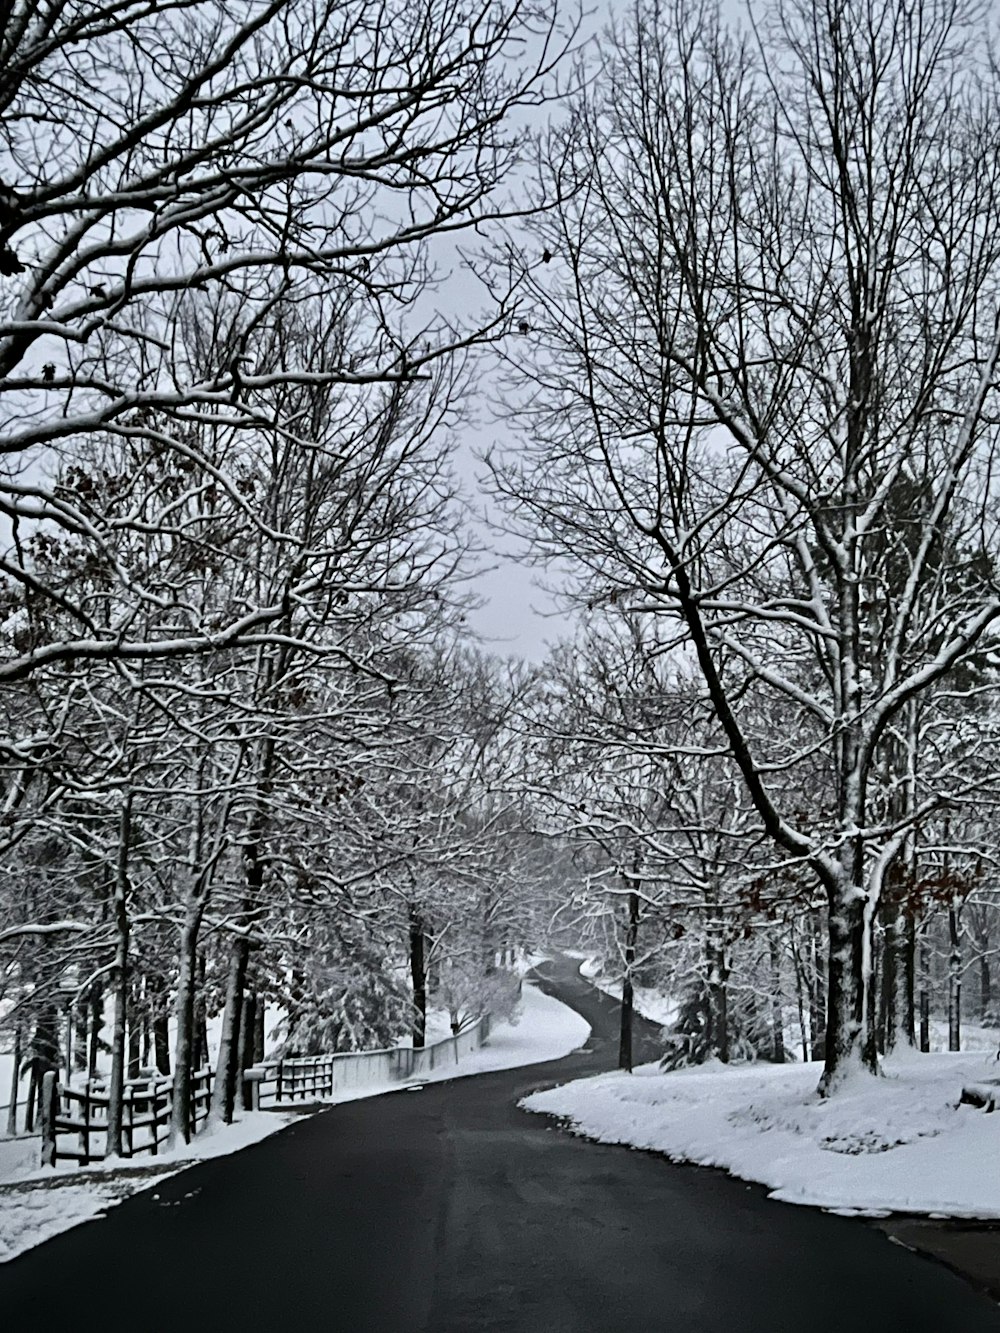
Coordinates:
<point>38,1203</point>
<point>900,1143</point>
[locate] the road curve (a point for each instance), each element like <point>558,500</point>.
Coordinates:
<point>448,1210</point>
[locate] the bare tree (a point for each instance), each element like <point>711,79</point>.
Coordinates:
<point>257,155</point>
<point>758,395</point>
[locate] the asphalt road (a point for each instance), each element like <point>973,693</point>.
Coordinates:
<point>448,1210</point>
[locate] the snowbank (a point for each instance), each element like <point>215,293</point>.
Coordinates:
<point>544,1029</point>
<point>894,1144</point>
<point>36,1204</point>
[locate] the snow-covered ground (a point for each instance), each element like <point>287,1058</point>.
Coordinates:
<point>899,1143</point>
<point>36,1204</point>
<point>646,1000</point>
<point>437,1027</point>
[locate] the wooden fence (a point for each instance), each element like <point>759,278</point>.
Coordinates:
<point>74,1121</point>
<point>313,1078</point>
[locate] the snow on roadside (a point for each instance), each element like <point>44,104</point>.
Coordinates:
<point>647,1001</point>
<point>36,1203</point>
<point>896,1144</point>
<point>543,1029</point>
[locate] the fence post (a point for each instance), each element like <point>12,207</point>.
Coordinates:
<point>154,1112</point>
<point>85,1121</point>
<point>251,1086</point>
<point>50,1097</point>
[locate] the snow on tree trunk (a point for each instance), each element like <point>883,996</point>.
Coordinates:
<point>850,1029</point>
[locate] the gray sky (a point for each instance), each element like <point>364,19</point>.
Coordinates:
<point>517,618</point>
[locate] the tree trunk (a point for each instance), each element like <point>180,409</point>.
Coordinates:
<point>718,994</point>
<point>15,1082</point>
<point>68,1060</point>
<point>116,1084</point>
<point>925,998</point>
<point>777,1018</point>
<point>184,1040</point>
<point>201,1055</point>
<point>134,1032</point>
<point>631,935</point>
<point>954,977</point>
<point>985,987</point>
<point>849,1040</point>
<point>801,994</point>
<point>29,1108</point>
<point>418,977</point>
<point>248,1037</point>
<point>910,980</point>
<point>892,996</point>
<point>161,1042</point>
<point>817,992</point>
<point>96,1024</point>
<point>227,1067</point>
<point>258,1031</point>
<point>80,1028</point>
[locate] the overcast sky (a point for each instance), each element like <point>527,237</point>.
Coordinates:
<point>518,617</point>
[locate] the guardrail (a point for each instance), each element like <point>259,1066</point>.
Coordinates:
<point>313,1078</point>
<point>82,1113</point>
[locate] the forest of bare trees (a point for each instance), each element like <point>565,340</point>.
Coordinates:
<point>734,295</point>
<point>757,417</point>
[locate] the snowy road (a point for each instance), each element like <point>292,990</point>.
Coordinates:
<point>449,1210</point>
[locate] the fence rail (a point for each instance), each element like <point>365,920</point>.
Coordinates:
<point>312,1078</point>
<point>75,1120</point>
<point>81,1115</point>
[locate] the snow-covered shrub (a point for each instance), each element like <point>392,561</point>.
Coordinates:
<point>690,1039</point>
<point>347,1007</point>
<point>467,993</point>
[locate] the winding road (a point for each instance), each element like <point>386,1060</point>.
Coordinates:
<point>448,1210</point>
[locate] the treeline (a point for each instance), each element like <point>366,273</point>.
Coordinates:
<point>245,756</point>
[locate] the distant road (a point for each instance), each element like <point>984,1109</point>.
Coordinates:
<point>449,1210</point>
